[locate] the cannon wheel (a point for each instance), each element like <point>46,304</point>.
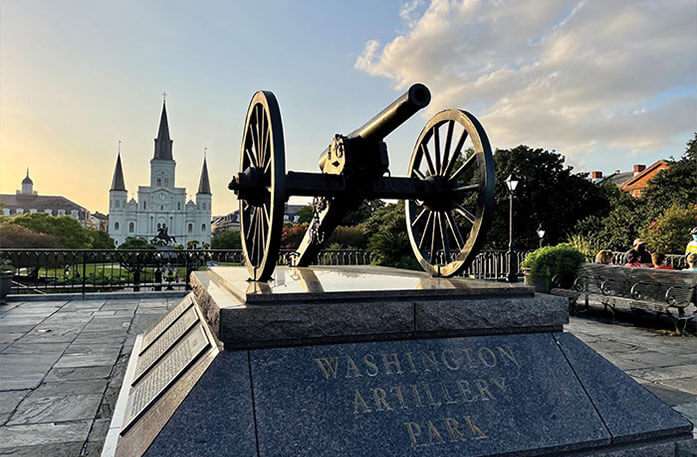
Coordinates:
<point>261,219</point>
<point>447,231</point>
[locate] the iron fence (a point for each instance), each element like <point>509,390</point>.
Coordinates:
<point>41,271</point>
<point>672,260</point>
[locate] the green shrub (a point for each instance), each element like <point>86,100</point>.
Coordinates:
<point>562,259</point>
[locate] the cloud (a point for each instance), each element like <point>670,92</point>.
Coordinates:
<point>571,75</point>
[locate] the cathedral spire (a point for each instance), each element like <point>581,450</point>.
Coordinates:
<point>117,182</point>
<point>204,186</point>
<point>163,144</point>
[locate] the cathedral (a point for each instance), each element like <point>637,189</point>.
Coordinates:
<point>160,205</point>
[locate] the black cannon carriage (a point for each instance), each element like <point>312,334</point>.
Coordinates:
<point>448,190</point>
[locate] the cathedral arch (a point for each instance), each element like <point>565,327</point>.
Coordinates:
<point>116,226</point>
<point>190,228</point>
<point>131,227</point>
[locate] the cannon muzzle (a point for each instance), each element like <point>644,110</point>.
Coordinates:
<point>417,97</point>
<point>334,158</point>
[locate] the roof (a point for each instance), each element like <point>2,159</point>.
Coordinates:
<point>117,182</point>
<point>163,144</point>
<point>641,179</point>
<point>204,186</point>
<point>618,179</point>
<point>40,202</point>
<point>27,180</point>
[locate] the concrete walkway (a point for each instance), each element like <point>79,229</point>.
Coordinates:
<point>62,364</point>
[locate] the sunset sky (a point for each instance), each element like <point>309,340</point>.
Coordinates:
<point>608,84</point>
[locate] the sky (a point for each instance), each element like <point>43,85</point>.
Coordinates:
<point>608,84</point>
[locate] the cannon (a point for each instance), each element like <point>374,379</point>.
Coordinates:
<point>448,190</point>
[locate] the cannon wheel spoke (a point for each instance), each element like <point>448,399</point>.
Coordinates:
<point>261,220</point>
<point>445,237</point>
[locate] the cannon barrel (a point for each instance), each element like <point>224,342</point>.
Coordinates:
<point>417,97</point>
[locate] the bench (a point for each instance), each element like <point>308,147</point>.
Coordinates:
<point>661,291</point>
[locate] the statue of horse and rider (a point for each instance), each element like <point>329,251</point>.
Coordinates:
<point>163,238</point>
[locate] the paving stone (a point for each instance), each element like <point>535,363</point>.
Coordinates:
<point>112,337</point>
<point>10,337</point>
<point>18,328</point>
<point>56,409</point>
<point>106,408</point>
<point>143,322</point>
<point>100,427</point>
<point>108,323</point>
<point>71,449</point>
<point>9,401</point>
<point>20,347</point>
<point>24,371</point>
<point>665,373</point>
<point>43,434</point>
<point>89,355</point>
<point>64,333</point>
<point>671,396</point>
<point>23,320</point>
<point>688,410</point>
<point>684,384</point>
<point>86,386</point>
<point>76,374</point>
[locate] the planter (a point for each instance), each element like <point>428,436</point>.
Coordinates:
<point>5,285</point>
<point>540,285</point>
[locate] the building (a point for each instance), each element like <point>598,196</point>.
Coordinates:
<point>231,221</point>
<point>635,181</point>
<point>28,200</point>
<point>161,204</point>
<point>98,221</point>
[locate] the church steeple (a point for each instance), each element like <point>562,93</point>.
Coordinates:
<point>163,144</point>
<point>204,186</point>
<point>117,182</point>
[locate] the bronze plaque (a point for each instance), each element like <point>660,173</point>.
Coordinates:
<point>162,344</point>
<point>151,386</point>
<point>163,324</point>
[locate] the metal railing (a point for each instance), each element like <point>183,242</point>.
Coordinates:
<point>41,271</point>
<point>672,260</point>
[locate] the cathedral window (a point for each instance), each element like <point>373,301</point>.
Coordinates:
<point>190,228</point>
<point>179,206</point>
<point>145,206</point>
<point>203,228</point>
<point>116,226</point>
<point>166,181</point>
<point>159,181</point>
<point>131,227</point>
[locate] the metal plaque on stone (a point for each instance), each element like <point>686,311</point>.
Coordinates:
<point>168,339</point>
<point>151,386</point>
<point>163,324</point>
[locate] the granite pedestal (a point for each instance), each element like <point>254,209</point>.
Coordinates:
<point>366,361</point>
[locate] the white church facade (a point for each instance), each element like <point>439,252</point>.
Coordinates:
<point>161,204</point>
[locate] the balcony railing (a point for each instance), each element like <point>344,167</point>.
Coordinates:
<point>41,271</point>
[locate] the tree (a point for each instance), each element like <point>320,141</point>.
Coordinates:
<point>388,241</point>
<point>670,232</point>
<point>17,236</point>
<point>361,214</point>
<point>101,239</point>
<point>548,194</point>
<point>192,244</point>
<point>68,231</point>
<point>348,237</point>
<point>292,235</point>
<point>227,240</point>
<point>676,185</point>
<point>305,214</point>
<point>136,242</point>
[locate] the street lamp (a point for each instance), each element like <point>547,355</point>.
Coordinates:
<point>511,183</point>
<point>540,233</point>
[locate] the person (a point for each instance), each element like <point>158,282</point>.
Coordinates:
<point>639,247</point>
<point>691,262</point>
<point>604,257</point>
<point>659,260</point>
<point>632,259</point>
<point>692,245</point>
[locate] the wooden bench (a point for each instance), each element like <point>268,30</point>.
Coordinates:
<point>661,291</point>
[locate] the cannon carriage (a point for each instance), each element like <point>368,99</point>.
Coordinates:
<point>448,190</point>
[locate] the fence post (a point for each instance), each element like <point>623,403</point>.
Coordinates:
<point>84,272</point>
<point>186,268</point>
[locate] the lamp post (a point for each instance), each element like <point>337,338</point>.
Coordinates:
<point>540,233</point>
<point>511,183</point>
